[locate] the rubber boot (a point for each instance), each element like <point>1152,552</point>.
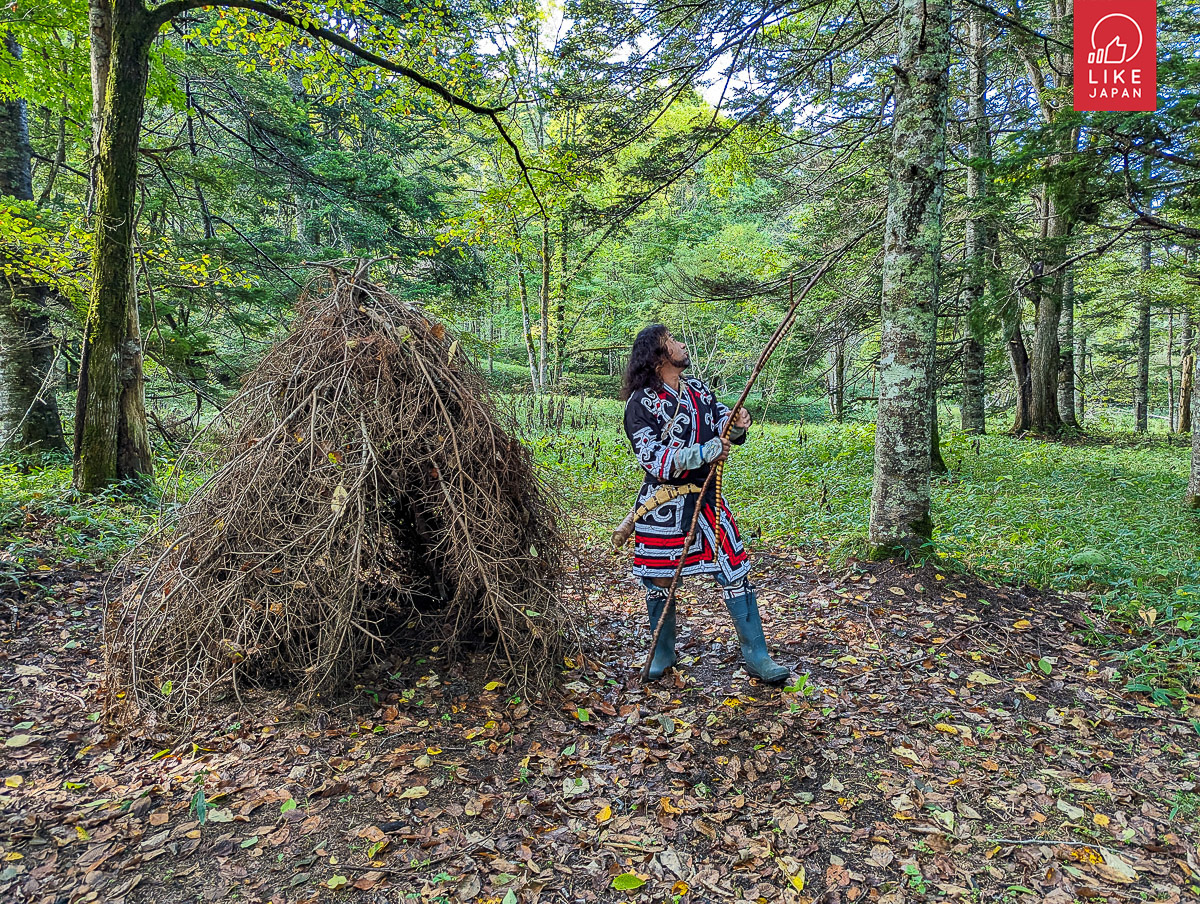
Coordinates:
<point>664,653</point>
<point>742,603</point>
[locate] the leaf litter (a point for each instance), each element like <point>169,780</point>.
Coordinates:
<point>925,755</point>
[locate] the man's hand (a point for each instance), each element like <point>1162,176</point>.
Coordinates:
<point>743,419</point>
<point>725,446</point>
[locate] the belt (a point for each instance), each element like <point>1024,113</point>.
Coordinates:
<point>661,496</point>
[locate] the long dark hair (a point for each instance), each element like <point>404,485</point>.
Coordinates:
<point>648,353</point>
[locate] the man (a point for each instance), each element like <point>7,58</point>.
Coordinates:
<point>675,424</point>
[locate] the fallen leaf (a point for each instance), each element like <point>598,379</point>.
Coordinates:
<point>414,792</point>
<point>1072,811</point>
<point>1114,868</point>
<point>978,677</point>
<point>627,882</point>
<point>881,856</point>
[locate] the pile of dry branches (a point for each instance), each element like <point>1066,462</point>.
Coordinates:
<point>367,490</point>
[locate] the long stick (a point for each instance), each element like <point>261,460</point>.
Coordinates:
<point>767,351</point>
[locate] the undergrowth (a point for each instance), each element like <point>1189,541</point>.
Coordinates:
<point>45,523</point>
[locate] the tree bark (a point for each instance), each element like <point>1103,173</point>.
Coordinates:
<point>100,41</point>
<point>1080,370</point>
<point>837,381</point>
<point>1066,350</point>
<point>1171,373</point>
<point>544,305</point>
<point>1059,204</point>
<point>1018,359</point>
<point>1192,499</point>
<point>981,236</point>
<point>29,418</point>
<point>1141,389</point>
<point>527,328</point>
<point>560,331</point>
<point>900,513</point>
<point>112,440</point>
<point>1186,367</point>
<point>1044,358</point>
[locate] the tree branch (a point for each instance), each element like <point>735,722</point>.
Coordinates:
<point>161,15</point>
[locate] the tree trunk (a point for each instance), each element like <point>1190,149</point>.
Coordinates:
<point>1066,350</point>
<point>837,381</point>
<point>900,516</point>
<point>937,464</point>
<point>1171,373</point>
<point>29,418</point>
<point>100,41</point>
<point>210,232</point>
<point>1141,389</point>
<point>1186,368</point>
<point>111,436</point>
<point>560,332</point>
<point>544,304</point>
<point>1059,202</point>
<point>527,328</point>
<point>1192,499</point>
<point>60,157</point>
<point>980,237</point>
<point>1044,358</point>
<point>1018,359</point>
<point>1080,370</point>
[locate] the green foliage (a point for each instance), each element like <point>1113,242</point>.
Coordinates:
<point>44,523</point>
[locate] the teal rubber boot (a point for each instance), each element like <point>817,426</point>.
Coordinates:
<point>664,653</point>
<point>743,609</point>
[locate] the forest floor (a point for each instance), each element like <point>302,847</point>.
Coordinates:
<point>952,741</point>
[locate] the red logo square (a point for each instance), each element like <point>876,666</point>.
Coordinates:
<point>1116,46</point>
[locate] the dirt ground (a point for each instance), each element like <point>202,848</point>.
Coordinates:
<point>952,741</point>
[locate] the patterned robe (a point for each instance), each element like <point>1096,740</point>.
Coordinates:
<point>658,425</point>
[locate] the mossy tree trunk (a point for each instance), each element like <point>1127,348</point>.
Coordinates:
<point>900,516</point>
<point>29,418</point>
<point>112,440</point>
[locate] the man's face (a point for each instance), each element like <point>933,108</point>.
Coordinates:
<point>677,353</point>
